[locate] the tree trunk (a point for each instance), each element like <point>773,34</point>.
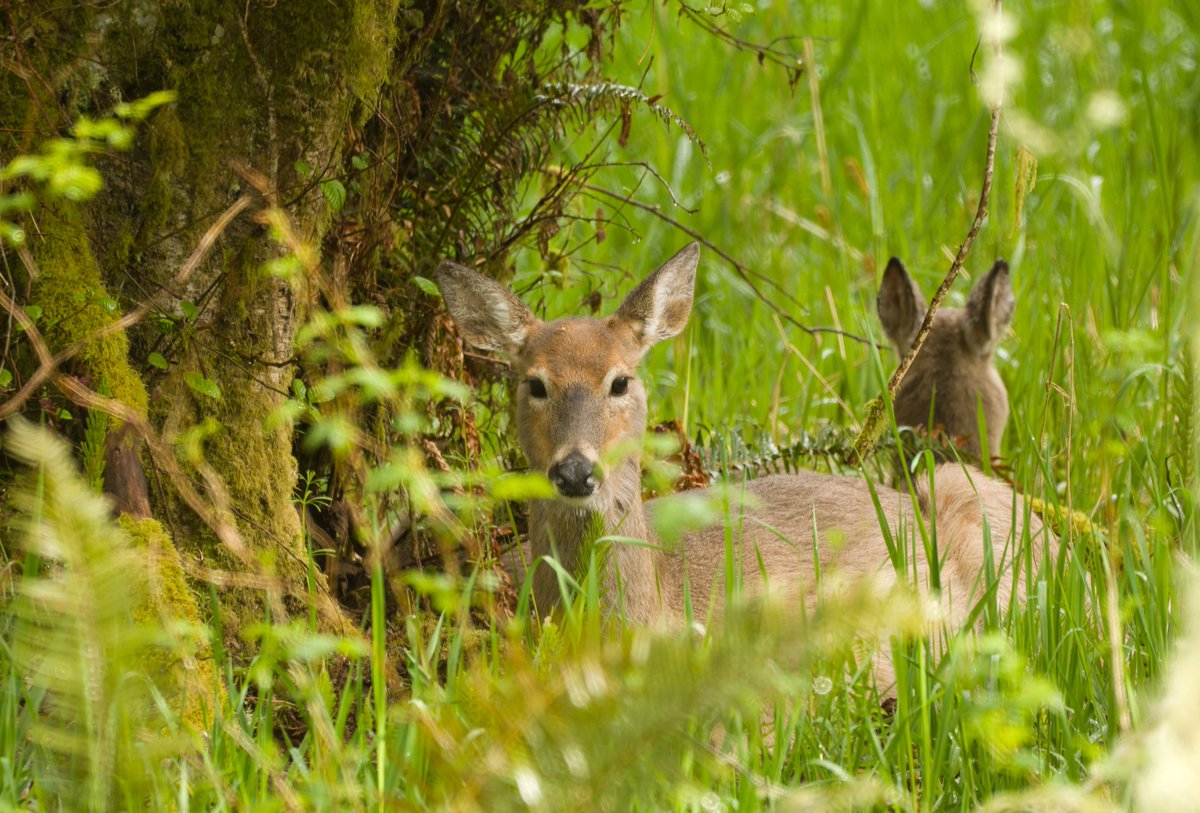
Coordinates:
<point>265,87</point>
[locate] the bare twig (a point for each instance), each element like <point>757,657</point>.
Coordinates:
<point>745,273</point>
<point>873,424</point>
<point>764,51</point>
<point>50,364</point>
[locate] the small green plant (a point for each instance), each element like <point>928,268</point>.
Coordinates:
<point>95,439</point>
<point>62,169</point>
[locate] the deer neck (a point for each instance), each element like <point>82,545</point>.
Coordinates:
<point>629,571</point>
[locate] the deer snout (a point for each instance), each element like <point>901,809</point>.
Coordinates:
<point>574,476</point>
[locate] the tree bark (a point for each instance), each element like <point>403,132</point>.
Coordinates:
<point>266,86</point>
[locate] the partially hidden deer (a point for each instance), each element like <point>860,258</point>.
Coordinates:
<point>578,398</point>
<point>953,381</point>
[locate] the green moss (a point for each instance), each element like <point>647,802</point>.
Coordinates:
<point>72,295</point>
<point>258,473</point>
<point>168,162</point>
<point>372,36</point>
<point>190,680</point>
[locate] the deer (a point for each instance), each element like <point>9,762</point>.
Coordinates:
<point>579,402</point>
<point>954,379</point>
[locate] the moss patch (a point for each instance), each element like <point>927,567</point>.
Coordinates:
<point>76,305</point>
<point>190,681</point>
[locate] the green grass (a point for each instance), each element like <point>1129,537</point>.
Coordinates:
<point>504,716</point>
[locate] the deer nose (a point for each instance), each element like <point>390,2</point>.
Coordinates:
<point>574,476</point>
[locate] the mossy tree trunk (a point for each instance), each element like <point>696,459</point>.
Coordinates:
<point>268,87</point>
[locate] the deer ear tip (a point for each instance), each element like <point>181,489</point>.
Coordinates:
<point>446,269</point>
<point>894,266</point>
<point>1001,266</point>
<point>690,254</point>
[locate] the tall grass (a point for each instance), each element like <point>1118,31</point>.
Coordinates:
<point>1052,705</point>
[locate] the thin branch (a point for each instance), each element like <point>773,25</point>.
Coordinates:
<point>765,52</point>
<point>742,271</point>
<point>51,364</point>
<point>864,444</point>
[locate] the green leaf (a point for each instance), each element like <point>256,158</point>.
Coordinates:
<point>522,486</point>
<point>302,169</point>
<point>373,382</point>
<point>367,316</point>
<point>287,266</point>
<point>34,312</point>
<point>427,286</point>
<point>359,162</point>
<point>157,360</point>
<point>20,202</point>
<point>337,433</point>
<point>6,377</point>
<point>108,304</point>
<point>335,193</point>
<point>202,385</point>
<point>76,182</point>
<point>12,233</point>
<point>189,310</point>
<point>138,109</point>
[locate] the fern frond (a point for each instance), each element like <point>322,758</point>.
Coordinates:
<point>588,100</point>
<point>74,643</point>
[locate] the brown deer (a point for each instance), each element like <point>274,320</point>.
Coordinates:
<point>953,380</point>
<point>579,402</point>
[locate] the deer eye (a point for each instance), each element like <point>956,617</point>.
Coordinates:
<point>620,385</point>
<point>536,388</point>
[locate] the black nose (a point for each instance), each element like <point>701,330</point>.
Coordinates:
<point>574,476</point>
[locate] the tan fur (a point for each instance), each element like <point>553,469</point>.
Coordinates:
<point>791,522</point>
<point>954,377</point>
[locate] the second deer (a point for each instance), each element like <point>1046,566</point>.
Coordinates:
<point>953,382</point>
<point>579,402</point>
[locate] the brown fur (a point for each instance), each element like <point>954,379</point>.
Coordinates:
<point>954,377</point>
<point>124,477</point>
<point>789,521</point>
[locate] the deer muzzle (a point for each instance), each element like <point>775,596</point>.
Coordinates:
<point>574,475</point>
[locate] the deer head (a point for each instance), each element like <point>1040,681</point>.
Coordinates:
<point>954,378</point>
<point>578,398</point>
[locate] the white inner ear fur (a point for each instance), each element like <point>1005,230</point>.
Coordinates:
<point>508,320</point>
<point>654,329</point>
<point>674,286</point>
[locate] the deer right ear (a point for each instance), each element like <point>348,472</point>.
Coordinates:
<point>990,309</point>
<point>487,314</point>
<point>901,306</point>
<point>660,306</point>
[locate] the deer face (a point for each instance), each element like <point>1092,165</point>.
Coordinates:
<point>953,380</point>
<point>580,406</point>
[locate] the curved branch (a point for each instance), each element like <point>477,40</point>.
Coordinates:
<point>864,444</point>
<point>50,364</point>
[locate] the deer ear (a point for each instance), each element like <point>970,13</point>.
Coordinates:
<point>901,306</point>
<point>990,310</point>
<point>660,306</point>
<point>488,315</point>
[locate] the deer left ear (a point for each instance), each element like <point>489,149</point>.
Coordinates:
<point>660,306</point>
<point>900,305</point>
<point>488,315</point>
<point>990,310</point>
